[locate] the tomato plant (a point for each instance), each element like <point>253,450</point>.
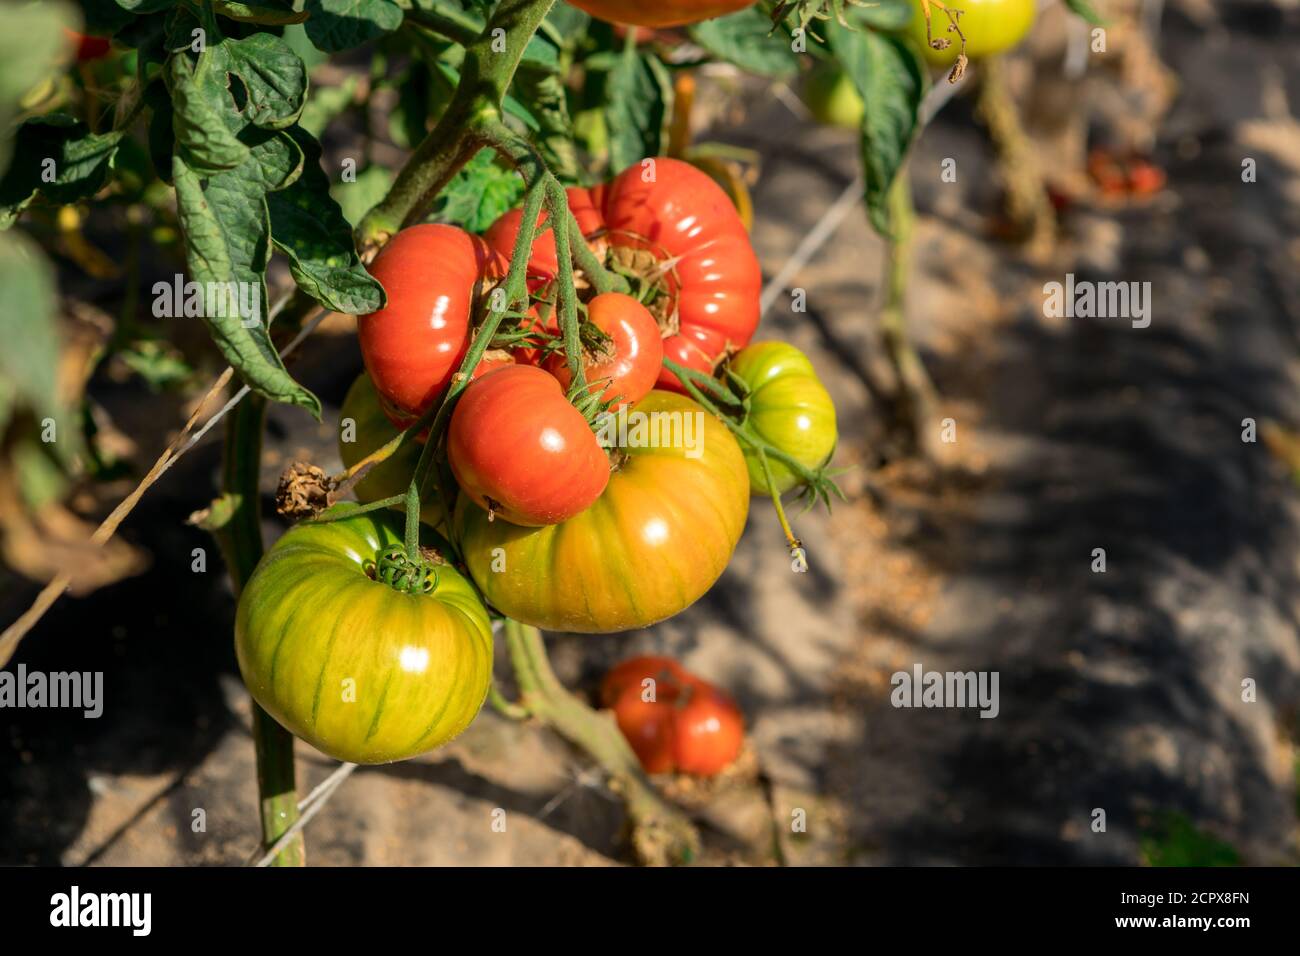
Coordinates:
<point>673,719</point>
<point>667,14</point>
<point>521,451</point>
<point>651,545</point>
<point>360,670</point>
<point>787,406</point>
<point>989,26</point>
<point>434,276</point>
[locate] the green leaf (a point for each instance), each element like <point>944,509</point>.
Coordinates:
<point>228,240</point>
<point>891,81</point>
<point>745,39</point>
<point>638,96</point>
<point>258,13</point>
<point>883,14</point>
<point>1085,9</point>
<point>479,193</point>
<point>29,359</point>
<point>273,75</point>
<point>59,158</point>
<point>200,107</point>
<point>145,6</point>
<point>337,25</point>
<point>308,226</point>
<point>104,17</point>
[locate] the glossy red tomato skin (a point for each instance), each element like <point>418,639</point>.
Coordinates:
<point>634,356</point>
<point>433,275</point>
<point>543,263</point>
<point>663,13</point>
<point>515,439</point>
<point>492,360</point>
<point>681,722</point>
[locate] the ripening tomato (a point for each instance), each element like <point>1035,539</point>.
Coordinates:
<point>88,47</point>
<point>434,276</point>
<point>365,428</point>
<point>665,13</point>
<point>672,719</point>
<point>990,27</point>
<point>831,97</point>
<point>651,545</point>
<point>519,448</point>
<point>788,407</point>
<point>676,225</point>
<point>631,358</point>
<point>359,670</point>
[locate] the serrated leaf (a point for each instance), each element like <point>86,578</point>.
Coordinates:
<point>308,226</point>
<point>891,81</point>
<point>336,25</point>
<point>479,193</point>
<point>274,77</point>
<point>200,108</point>
<point>227,228</point>
<point>81,163</point>
<point>745,39</point>
<point>638,99</point>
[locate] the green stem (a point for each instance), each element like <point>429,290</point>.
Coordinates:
<point>240,539</point>
<point>558,204</point>
<point>661,834</point>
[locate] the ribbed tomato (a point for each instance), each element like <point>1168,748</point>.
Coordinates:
<point>788,407</point>
<point>630,360</point>
<point>359,670</point>
<point>990,27</point>
<point>519,448</point>
<point>670,220</point>
<point>664,13</point>
<point>672,719</point>
<point>434,276</point>
<point>651,545</point>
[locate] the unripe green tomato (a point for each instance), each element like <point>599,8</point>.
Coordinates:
<point>831,97</point>
<point>371,430</point>
<point>990,27</point>
<point>788,407</point>
<point>360,670</point>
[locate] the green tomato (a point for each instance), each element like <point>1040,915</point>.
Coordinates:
<point>831,97</point>
<point>990,27</point>
<point>358,669</point>
<point>369,430</point>
<point>788,407</point>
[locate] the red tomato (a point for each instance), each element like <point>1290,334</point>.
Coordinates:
<point>631,359</point>
<point>522,452</point>
<point>662,13</point>
<point>710,276</point>
<point>1145,178</point>
<point>686,724</point>
<point>88,47</point>
<point>492,359</point>
<point>434,275</point>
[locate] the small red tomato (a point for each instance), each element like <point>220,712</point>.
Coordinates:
<point>434,275</point>
<point>1145,178</point>
<point>631,358</point>
<point>88,47</point>
<point>679,722</point>
<point>521,451</point>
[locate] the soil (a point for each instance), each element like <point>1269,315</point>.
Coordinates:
<point>1120,690</point>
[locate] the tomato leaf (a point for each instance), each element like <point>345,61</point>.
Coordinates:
<point>258,13</point>
<point>227,240</point>
<point>745,39</point>
<point>200,104</point>
<point>889,77</point>
<point>60,147</point>
<point>29,359</point>
<point>145,6</point>
<point>479,193</point>
<point>274,77</point>
<point>638,94</point>
<point>308,226</point>
<point>336,25</point>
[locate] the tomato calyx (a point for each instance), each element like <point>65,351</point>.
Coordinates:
<point>392,566</point>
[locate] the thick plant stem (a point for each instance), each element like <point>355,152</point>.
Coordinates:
<point>489,66</point>
<point>240,538</point>
<point>661,834</point>
<point>915,394</point>
<point>1028,206</point>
